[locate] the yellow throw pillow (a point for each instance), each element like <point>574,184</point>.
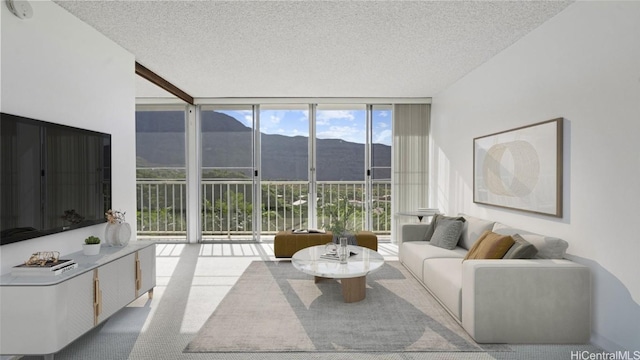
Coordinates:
<point>490,246</point>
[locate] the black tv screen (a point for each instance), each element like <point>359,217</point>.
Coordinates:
<point>53,178</point>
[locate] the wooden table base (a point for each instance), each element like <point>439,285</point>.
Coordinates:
<point>353,289</point>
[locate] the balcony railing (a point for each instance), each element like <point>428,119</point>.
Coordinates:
<point>227,206</point>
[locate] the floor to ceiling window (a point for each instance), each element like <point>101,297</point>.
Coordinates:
<point>263,168</point>
<point>161,172</point>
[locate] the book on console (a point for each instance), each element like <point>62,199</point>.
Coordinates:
<point>59,271</point>
<point>50,268</point>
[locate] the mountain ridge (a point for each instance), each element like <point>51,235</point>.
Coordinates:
<point>160,142</point>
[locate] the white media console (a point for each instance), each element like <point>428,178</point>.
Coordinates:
<point>43,314</point>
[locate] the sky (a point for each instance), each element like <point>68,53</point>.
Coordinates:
<point>348,125</point>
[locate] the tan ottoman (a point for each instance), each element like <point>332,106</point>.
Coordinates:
<point>367,239</point>
<point>286,243</point>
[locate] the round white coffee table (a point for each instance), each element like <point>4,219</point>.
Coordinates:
<point>352,275</point>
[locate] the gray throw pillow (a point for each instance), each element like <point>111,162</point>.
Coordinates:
<point>548,247</point>
<point>521,249</point>
<point>447,232</point>
<point>431,228</point>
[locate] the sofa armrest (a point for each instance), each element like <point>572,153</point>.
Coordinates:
<point>526,301</point>
<point>414,231</point>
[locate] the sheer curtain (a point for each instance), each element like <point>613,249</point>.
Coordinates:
<point>410,162</point>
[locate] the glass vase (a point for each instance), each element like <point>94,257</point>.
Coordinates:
<point>343,251</point>
<point>117,234</point>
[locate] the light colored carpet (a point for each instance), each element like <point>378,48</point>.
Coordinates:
<point>275,308</point>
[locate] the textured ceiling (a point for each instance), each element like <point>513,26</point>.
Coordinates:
<point>312,48</point>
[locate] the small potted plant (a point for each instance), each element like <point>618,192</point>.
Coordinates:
<point>91,246</point>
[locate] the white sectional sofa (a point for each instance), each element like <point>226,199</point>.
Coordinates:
<point>545,299</point>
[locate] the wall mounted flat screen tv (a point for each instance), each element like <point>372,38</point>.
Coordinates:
<point>53,178</point>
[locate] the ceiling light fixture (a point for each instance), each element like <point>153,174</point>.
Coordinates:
<point>20,8</point>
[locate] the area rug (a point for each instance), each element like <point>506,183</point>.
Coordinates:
<point>275,308</point>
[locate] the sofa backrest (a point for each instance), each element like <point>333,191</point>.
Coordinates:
<point>473,228</point>
<point>548,247</point>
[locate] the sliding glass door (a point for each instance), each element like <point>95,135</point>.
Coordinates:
<point>341,143</point>
<point>284,164</point>
<point>227,171</point>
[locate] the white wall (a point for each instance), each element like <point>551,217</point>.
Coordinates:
<point>58,69</point>
<point>583,65</point>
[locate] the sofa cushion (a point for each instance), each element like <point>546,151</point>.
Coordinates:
<point>413,254</point>
<point>472,229</point>
<point>447,232</point>
<point>443,277</point>
<point>490,246</point>
<point>548,247</point>
<point>521,249</point>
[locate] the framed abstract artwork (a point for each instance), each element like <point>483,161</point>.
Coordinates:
<point>520,168</point>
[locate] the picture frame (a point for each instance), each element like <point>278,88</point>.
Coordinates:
<point>521,168</point>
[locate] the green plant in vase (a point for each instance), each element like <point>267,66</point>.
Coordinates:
<point>340,218</point>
